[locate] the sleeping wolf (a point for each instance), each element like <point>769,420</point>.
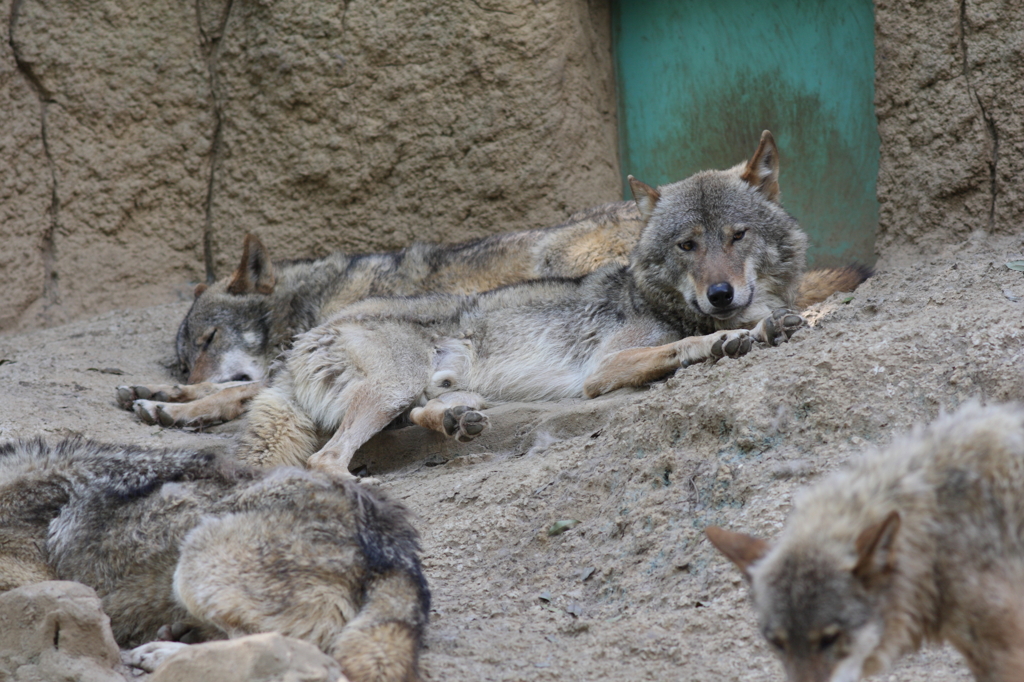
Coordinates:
<point>184,538</point>
<point>717,257</point>
<point>924,541</point>
<point>236,328</point>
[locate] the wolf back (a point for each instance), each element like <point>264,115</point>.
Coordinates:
<point>170,536</point>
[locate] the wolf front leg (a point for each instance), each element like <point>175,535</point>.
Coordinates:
<point>312,559</point>
<point>638,366</point>
<point>212,404</point>
<point>168,393</point>
<point>454,414</point>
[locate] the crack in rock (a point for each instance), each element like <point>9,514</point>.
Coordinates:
<point>990,124</point>
<point>51,295</point>
<point>211,44</point>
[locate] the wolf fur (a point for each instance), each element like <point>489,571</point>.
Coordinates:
<point>716,267</point>
<point>236,328</point>
<point>922,541</point>
<point>185,538</point>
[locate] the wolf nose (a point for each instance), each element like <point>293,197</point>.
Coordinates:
<point>720,294</point>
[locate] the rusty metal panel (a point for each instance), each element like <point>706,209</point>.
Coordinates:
<point>699,80</point>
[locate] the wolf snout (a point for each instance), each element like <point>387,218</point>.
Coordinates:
<point>720,294</point>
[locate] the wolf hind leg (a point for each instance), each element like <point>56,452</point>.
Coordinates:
<point>456,414</point>
<point>278,432</point>
<point>294,561</point>
<point>370,408</point>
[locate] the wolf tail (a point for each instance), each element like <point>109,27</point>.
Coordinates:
<point>382,643</point>
<point>817,285</point>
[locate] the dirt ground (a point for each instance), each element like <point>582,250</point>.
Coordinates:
<point>633,591</point>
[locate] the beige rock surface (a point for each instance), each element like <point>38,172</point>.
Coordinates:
<point>634,591</point>
<point>56,631</point>
<point>948,98</point>
<point>141,141</point>
<point>266,657</point>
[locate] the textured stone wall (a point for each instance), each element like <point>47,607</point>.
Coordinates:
<point>950,105</point>
<point>142,140</point>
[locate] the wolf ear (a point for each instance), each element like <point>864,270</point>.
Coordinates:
<point>255,274</point>
<point>762,171</point>
<point>742,550</point>
<point>200,288</point>
<point>875,548</point>
<point>645,196</point>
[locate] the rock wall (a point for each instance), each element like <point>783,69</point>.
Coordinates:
<point>949,99</point>
<point>142,140</point>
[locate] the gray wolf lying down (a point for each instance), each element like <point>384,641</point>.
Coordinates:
<point>185,539</point>
<point>922,541</point>
<point>717,267</point>
<point>238,326</point>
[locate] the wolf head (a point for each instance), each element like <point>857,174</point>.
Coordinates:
<point>821,604</point>
<point>225,335</point>
<point>718,248</point>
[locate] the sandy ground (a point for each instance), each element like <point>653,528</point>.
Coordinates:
<point>633,591</point>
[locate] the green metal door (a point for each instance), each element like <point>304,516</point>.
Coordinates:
<point>699,80</point>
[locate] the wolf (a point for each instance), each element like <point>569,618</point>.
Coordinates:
<point>922,541</point>
<point>717,267</point>
<point>235,329</point>
<point>183,541</point>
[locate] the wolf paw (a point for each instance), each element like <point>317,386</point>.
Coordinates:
<point>780,326</point>
<point>464,423</point>
<point>127,395</point>
<point>154,413</point>
<point>148,657</point>
<point>733,344</point>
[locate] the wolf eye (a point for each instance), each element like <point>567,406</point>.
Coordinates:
<point>688,245</point>
<point>446,384</point>
<point>207,339</point>
<point>738,235</point>
<point>828,639</point>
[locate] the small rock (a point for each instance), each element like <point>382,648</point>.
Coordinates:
<point>267,657</point>
<point>56,630</point>
<point>559,527</point>
<point>792,468</point>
